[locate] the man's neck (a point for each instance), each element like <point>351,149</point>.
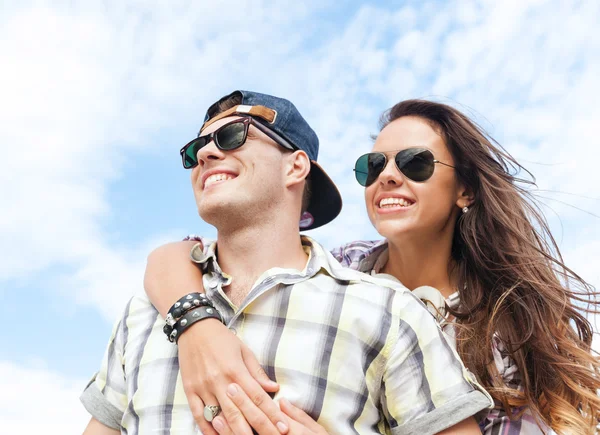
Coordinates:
<point>248,252</point>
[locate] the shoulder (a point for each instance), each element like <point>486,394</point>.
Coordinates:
<point>137,319</point>
<point>350,254</point>
<point>363,285</point>
<point>400,300</point>
<point>140,304</point>
<point>358,249</point>
<point>355,277</point>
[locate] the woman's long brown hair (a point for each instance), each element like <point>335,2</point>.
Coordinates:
<point>513,283</point>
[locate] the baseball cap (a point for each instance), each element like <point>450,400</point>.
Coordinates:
<point>282,117</point>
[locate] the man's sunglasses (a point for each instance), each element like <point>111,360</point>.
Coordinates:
<point>417,164</point>
<point>227,137</point>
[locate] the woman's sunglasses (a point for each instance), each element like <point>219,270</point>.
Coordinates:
<point>227,137</point>
<point>417,164</point>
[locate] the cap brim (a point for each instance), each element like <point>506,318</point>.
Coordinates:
<point>325,201</point>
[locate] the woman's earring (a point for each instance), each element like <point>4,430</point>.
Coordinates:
<point>465,209</point>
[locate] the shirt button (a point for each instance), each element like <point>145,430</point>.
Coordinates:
<point>213,283</point>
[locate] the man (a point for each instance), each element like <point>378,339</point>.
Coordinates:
<point>355,353</point>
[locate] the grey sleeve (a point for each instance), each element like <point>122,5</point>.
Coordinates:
<point>447,416</point>
<point>105,396</point>
<point>101,409</point>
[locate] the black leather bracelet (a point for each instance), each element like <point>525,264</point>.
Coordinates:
<point>192,316</point>
<point>186,303</point>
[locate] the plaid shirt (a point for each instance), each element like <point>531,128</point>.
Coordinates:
<point>357,353</point>
<point>364,256</point>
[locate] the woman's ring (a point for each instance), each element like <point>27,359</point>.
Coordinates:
<point>211,411</point>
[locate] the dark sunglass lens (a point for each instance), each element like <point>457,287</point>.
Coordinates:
<point>416,164</point>
<point>368,167</point>
<point>231,136</point>
<point>190,158</point>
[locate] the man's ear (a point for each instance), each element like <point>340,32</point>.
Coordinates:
<point>297,168</point>
<point>465,198</point>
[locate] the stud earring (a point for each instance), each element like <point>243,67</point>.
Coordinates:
<point>465,209</point>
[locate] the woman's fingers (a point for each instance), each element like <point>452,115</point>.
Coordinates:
<point>221,426</point>
<point>253,414</point>
<point>234,417</point>
<point>256,370</point>
<point>197,408</point>
<point>300,416</point>
<point>255,390</point>
<point>211,358</point>
<point>265,408</point>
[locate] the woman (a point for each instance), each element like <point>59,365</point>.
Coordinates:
<point>454,218</point>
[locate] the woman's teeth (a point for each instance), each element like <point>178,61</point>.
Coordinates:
<point>394,202</point>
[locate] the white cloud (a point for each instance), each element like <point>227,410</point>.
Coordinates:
<point>36,401</point>
<point>86,85</point>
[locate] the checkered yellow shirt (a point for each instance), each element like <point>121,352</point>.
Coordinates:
<point>357,353</point>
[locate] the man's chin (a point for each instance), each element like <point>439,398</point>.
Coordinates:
<point>215,212</point>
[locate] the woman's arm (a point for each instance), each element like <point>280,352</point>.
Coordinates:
<point>170,275</point>
<point>96,428</point>
<point>465,427</point>
<point>210,356</point>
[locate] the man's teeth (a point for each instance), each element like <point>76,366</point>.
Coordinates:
<point>216,178</point>
<point>394,202</point>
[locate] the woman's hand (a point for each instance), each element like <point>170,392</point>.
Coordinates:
<point>299,422</point>
<point>211,358</point>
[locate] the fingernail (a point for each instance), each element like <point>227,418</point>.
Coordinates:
<point>282,427</point>
<point>218,425</point>
<point>232,390</point>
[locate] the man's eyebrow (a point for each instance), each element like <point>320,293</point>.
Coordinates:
<point>255,133</point>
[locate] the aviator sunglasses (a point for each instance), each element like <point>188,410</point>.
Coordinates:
<point>227,137</point>
<point>417,164</point>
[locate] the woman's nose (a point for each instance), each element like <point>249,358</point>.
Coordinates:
<point>391,175</point>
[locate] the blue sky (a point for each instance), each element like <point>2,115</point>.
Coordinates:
<point>98,97</point>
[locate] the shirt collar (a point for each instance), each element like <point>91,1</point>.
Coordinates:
<point>321,259</point>
<point>318,259</point>
<point>375,259</point>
